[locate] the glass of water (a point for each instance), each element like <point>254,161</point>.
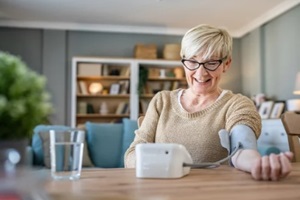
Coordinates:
<point>66,150</point>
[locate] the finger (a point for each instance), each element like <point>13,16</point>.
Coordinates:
<point>265,173</point>
<point>275,167</point>
<point>286,165</point>
<point>256,170</point>
<point>289,154</point>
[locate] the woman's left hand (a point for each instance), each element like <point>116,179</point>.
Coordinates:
<point>272,167</point>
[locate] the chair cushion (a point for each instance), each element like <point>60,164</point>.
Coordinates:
<point>104,143</point>
<point>129,126</point>
<point>41,146</point>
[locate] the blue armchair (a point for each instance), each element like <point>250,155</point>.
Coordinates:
<point>105,144</point>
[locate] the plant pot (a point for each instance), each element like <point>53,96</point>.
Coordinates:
<point>18,145</point>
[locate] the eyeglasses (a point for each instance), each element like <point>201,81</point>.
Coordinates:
<point>211,65</point>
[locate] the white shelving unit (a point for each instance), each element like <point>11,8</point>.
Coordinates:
<point>133,97</point>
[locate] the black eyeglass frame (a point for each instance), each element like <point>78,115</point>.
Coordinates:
<point>203,64</point>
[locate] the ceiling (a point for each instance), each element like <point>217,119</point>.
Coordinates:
<point>173,17</point>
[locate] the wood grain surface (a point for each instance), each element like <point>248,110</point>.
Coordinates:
<point>220,183</point>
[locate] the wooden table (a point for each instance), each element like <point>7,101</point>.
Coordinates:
<point>221,183</point>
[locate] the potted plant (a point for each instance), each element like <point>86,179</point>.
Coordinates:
<point>24,103</point>
<point>143,77</point>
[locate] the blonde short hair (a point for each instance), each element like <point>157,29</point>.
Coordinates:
<point>206,40</point>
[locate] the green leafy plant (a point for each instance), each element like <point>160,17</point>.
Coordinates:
<point>24,102</point>
<point>143,77</point>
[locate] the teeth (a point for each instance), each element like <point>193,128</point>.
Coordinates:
<point>200,81</point>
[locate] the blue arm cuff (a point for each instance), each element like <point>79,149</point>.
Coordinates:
<point>243,134</point>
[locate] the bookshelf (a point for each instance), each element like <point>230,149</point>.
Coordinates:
<point>107,89</point>
<point>161,75</point>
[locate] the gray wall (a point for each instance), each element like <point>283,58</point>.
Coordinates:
<point>105,44</point>
<point>231,79</point>
<point>54,68</point>
<point>27,43</point>
<point>251,68</point>
<point>265,60</point>
<point>282,54</point>
<point>270,57</point>
<point>50,52</point>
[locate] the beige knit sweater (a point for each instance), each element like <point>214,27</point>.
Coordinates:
<point>166,122</point>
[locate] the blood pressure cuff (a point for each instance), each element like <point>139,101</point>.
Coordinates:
<point>243,134</point>
<point>239,134</point>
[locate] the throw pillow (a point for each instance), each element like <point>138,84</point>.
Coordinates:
<point>105,143</point>
<point>129,126</point>
<point>41,144</point>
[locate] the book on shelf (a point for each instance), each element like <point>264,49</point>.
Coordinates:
<point>83,87</point>
<point>82,108</point>
<point>121,108</point>
<point>148,88</point>
<point>125,71</point>
<point>124,87</point>
<point>156,87</point>
<point>78,91</point>
<point>143,106</point>
<point>89,69</point>
<point>167,85</point>
<point>126,109</point>
<point>183,84</point>
<point>175,85</point>
<point>105,70</point>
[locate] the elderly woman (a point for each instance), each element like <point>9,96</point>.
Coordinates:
<point>194,117</point>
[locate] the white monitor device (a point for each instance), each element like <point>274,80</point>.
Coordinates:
<point>160,160</point>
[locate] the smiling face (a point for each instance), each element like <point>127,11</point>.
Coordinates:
<point>202,81</point>
<point>201,44</point>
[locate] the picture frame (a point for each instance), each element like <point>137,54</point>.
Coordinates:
<point>277,110</point>
<point>114,88</point>
<point>265,109</point>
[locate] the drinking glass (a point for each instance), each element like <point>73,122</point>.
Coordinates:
<point>66,150</point>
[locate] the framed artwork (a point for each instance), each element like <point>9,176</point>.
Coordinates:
<point>265,109</point>
<point>277,110</point>
<point>114,88</point>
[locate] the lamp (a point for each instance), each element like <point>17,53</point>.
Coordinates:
<point>95,88</point>
<point>294,104</point>
<point>297,84</point>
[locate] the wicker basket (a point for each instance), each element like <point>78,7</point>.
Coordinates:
<point>171,52</point>
<point>148,51</point>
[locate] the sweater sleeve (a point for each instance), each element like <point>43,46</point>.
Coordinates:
<point>147,130</point>
<point>244,112</point>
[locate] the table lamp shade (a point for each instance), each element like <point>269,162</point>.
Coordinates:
<point>294,104</point>
<point>95,88</point>
<point>297,84</point>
